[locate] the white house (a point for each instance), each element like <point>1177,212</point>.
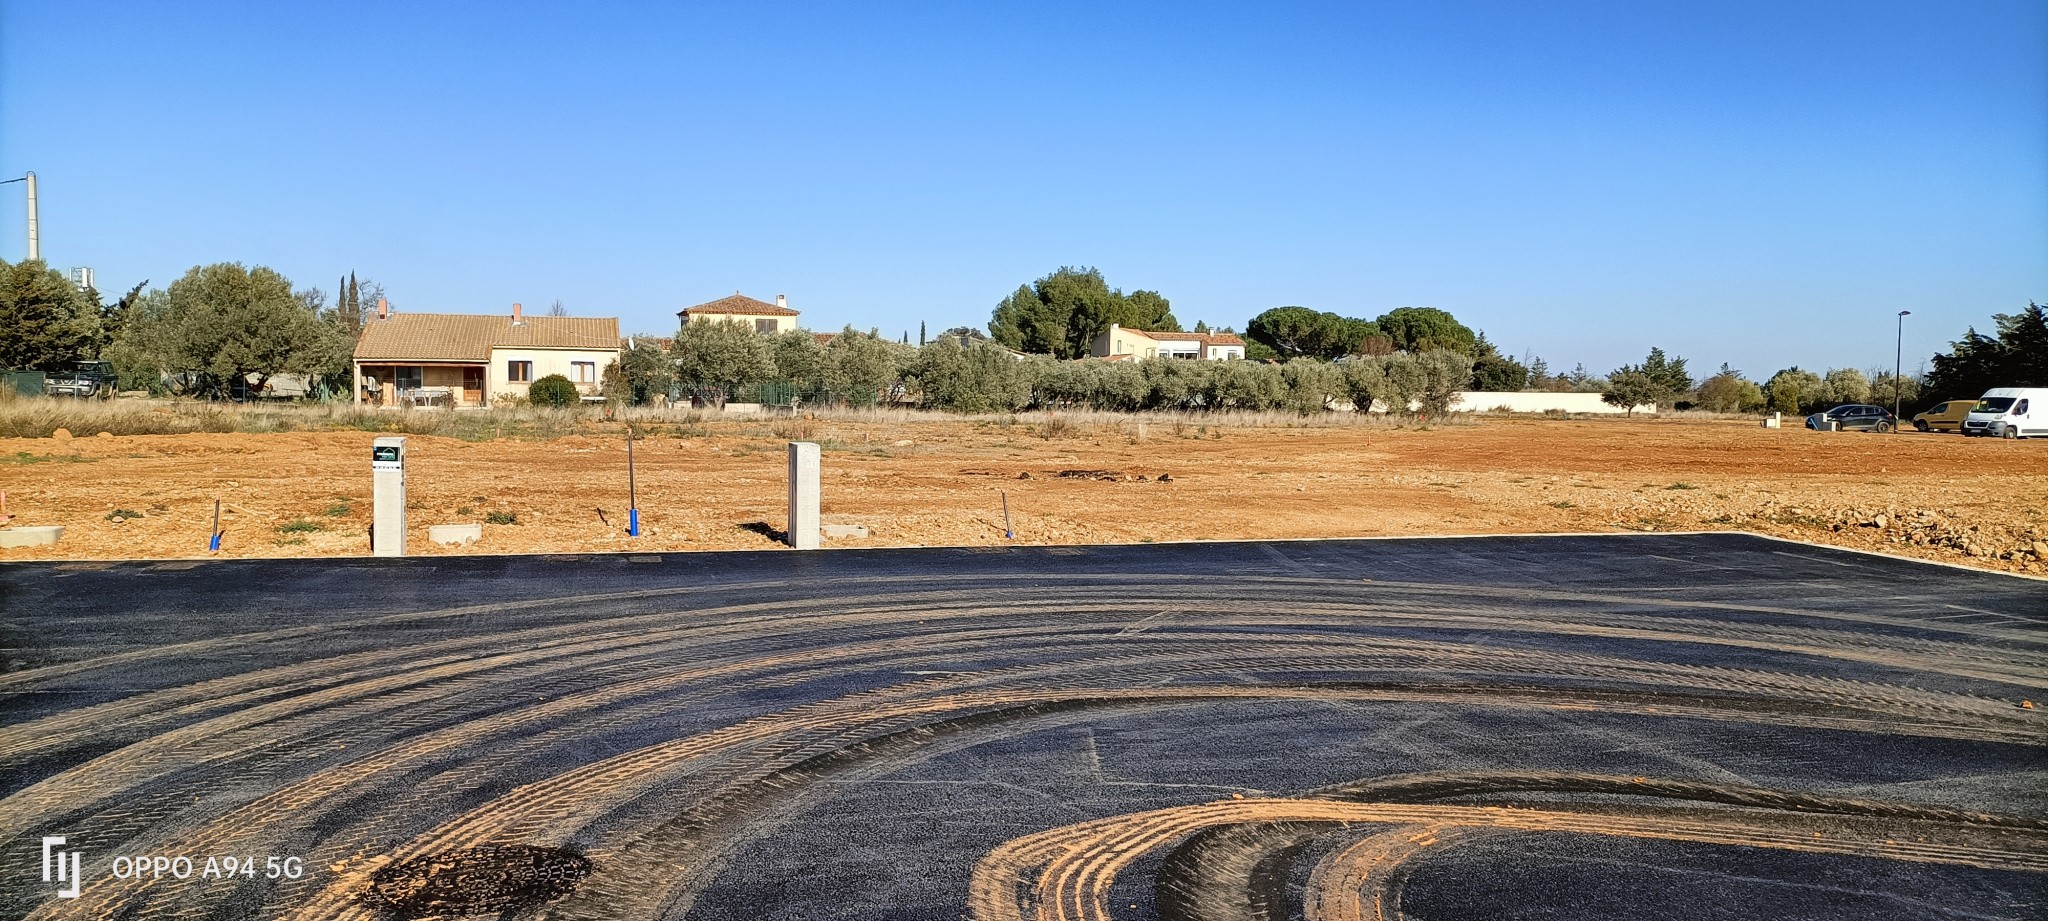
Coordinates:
<point>1137,344</point>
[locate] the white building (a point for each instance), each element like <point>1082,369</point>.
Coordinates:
<point>1137,344</point>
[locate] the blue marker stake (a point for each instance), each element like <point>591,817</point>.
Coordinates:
<point>213,542</point>
<point>1008,532</point>
<point>632,495</point>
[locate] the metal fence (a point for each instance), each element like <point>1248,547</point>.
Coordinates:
<point>787,394</point>
<point>26,383</point>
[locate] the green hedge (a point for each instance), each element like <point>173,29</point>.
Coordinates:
<point>553,390</point>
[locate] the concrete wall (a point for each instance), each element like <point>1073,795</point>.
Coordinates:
<point>1587,403</point>
<point>1470,401</point>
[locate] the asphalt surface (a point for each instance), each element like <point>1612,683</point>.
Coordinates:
<point>1671,726</point>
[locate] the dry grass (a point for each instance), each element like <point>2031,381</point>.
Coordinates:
<point>40,417</point>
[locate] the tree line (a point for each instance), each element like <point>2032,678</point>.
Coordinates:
<point>221,327</point>
<point>213,331</point>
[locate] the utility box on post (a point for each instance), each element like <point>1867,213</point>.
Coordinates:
<point>387,496</point>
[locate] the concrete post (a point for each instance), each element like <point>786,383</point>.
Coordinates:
<point>35,232</point>
<point>387,502</point>
<point>803,495</point>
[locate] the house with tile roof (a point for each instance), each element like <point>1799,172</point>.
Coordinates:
<point>1126,344</point>
<point>470,360</point>
<point>764,317</point>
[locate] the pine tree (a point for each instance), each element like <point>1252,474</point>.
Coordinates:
<point>920,334</point>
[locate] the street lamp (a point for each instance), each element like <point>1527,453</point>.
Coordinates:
<point>1898,357</point>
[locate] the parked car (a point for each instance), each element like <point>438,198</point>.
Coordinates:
<point>2009,412</point>
<point>1944,417</point>
<point>1856,416</point>
<point>83,379</point>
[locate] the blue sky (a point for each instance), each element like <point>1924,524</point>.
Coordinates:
<point>1765,183</point>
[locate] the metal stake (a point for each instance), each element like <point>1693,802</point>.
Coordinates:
<point>632,490</point>
<point>1009,533</point>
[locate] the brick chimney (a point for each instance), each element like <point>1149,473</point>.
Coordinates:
<point>518,318</point>
<point>383,309</point>
<point>782,301</point>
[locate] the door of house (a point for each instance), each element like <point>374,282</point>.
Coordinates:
<point>473,386</point>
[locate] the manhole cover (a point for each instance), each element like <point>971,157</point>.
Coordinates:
<point>478,879</point>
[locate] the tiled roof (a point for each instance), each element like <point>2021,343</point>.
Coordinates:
<point>469,337</point>
<point>1203,338</point>
<point>739,305</point>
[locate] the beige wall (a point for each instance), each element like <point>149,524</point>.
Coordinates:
<point>782,324</point>
<point>1121,341</point>
<point>546,362</point>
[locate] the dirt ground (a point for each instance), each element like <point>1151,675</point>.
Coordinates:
<point>720,486</point>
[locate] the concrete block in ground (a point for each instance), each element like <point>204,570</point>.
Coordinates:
<point>803,495</point>
<point>845,530</point>
<point>38,536</point>
<point>455,533</point>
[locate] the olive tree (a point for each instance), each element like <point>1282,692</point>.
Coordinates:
<point>721,356</point>
<point>223,323</point>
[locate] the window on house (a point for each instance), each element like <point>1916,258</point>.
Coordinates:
<point>519,372</point>
<point>408,378</point>
<point>583,372</point>
<point>764,326</point>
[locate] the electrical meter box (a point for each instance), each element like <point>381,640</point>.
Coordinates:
<point>387,496</point>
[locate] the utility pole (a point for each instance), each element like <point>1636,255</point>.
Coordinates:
<point>1898,356</point>
<point>35,244</point>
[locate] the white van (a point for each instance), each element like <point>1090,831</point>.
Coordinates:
<point>2009,412</point>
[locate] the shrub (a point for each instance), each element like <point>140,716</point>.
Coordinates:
<point>502,517</point>
<point>1309,385</point>
<point>553,390</point>
<point>797,429</point>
